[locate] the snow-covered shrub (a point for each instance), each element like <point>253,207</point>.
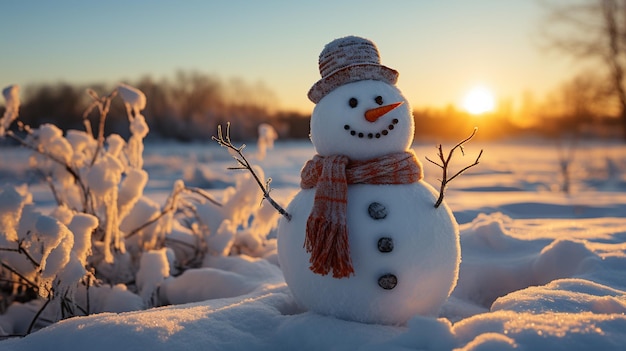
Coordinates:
<point>106,246</point>
<point>12,96</point>
<point>267,135</point>
<point>39,253</point>
<point>153,269</point>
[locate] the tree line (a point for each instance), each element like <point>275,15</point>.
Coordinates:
<point>186,108</point>
<point>190,106</point>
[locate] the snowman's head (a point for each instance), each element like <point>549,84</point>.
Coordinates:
<point>362,120</point>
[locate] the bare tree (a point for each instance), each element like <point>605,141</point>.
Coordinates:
<point>592,30</point>
<point>578,103</point>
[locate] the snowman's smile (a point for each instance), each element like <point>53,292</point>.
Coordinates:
<point>371,135</point>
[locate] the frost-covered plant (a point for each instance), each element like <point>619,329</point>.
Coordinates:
<point>267,135</point>
<point>41,254</point>
<point>135,102</point>
<point>566,149</point>
<point>12,96</point>
<point>106,246</point>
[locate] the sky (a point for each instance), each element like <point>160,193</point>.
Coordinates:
<point>441,48</point>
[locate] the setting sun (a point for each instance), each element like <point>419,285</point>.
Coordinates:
<point>479,100</point>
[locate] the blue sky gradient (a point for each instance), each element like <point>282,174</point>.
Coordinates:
<point>441,48</point>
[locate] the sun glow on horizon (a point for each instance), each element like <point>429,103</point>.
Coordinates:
<point>479,100</point>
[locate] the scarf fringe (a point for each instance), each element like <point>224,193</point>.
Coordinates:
<point>329,247</point>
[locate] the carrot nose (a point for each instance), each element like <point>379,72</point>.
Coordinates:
<point>375,113</point>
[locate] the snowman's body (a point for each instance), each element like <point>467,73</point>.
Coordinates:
<point>415,242</point>
<point>405,253</point>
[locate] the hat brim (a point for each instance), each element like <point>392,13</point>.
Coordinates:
<point>351,74</point>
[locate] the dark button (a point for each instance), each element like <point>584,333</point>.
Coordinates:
<point>377,210</point>
<point>388,281</point>
<point>385,244</point>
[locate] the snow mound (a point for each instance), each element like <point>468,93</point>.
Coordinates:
<point>539,271</point>
<point>244,304</point>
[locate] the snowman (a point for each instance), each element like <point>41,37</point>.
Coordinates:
<point>365,242</point>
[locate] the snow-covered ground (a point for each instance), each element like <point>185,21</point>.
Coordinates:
<point>541,270</point>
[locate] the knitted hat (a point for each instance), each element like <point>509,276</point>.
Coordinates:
<point>346,60</point>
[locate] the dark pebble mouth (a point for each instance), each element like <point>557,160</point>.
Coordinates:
<point>377,135</point>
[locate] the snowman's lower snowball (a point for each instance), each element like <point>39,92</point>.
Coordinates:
<point>424,259</point>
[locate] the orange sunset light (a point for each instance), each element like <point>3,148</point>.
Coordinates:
<point>479,100</point>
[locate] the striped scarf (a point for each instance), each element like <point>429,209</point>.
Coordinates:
<point>326,230</point>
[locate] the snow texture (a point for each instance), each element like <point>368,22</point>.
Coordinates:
<point>540,270</point>
<point>132,97</point>
<point>153,269</point>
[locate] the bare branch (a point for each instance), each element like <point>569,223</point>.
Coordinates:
<point>12,270</point>
<point>446,161</point>
<point>22,250</point>
<point>433,162</point>
<point>460,144</point>
<point>468,167</point>
<point>51,157</point>
<point>153,220</point>
<point>243,161</point>
<point>32,323</point>
<point>171,206</point>
<point>103,104</point>
<point>203,194</point>
<point>14,282</point>
<point>591,30</point>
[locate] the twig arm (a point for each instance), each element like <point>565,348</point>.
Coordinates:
<point>468,167</point>
<point>433,162</point>
<point>225,141</point>
<point>446,161</point>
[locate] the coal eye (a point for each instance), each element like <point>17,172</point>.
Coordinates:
<point>379,100</point>
<point>353,102</point>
